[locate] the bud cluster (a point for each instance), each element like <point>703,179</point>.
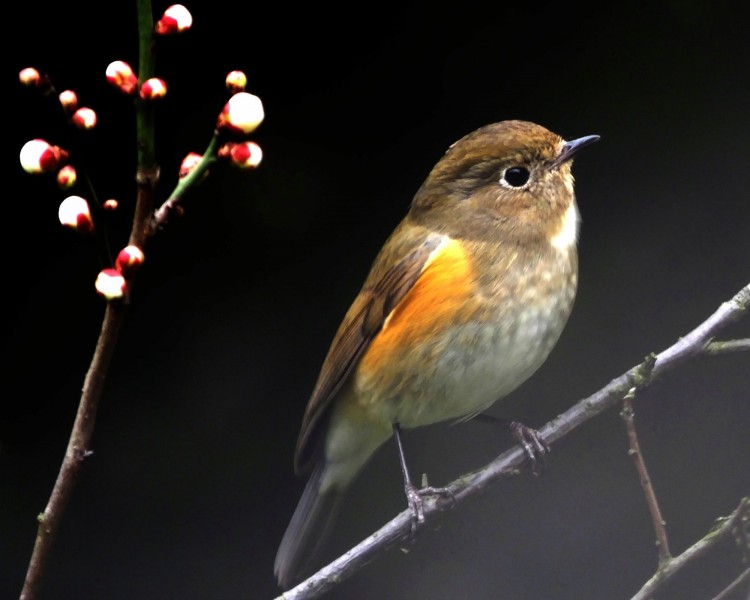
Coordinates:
<point>240,116</point>
<point>112,283</point>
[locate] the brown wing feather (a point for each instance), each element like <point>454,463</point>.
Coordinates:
<point>383,290</point>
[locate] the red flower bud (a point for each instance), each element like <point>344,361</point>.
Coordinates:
<point>245,155</point>
<point>84,118</point>
<point>69,101</point>
<point>236,81</point>
<point>189,163</point>
<point>241,114</point>
<point>153,89</point>
<point>30,77</point>
<point>39,156</point>
<point>128,260</point>
<point>110,284</point>
<point>121,75</point>
<point>74,213</point>
<point>176,19</point>
<point>66,177</point>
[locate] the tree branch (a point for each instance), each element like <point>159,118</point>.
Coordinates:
<point>628,416</point>
<point>736,586</point>
<point>716,348</point>
<point>694,344</point>
<point>79,443</point>
<point>669,568</point>
<point>162,214</point>
<point>78,450</point>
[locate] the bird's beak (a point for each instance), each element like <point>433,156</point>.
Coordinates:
<point>572,147</point>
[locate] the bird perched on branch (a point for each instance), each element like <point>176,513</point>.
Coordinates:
<point>464,303</point>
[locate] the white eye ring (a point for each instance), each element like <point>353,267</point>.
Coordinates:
<point>515,177</point>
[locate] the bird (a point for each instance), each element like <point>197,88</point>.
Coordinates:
<point>464,302</point>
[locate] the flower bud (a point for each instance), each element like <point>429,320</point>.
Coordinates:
<point>236,81</point>
<point>241,114</point>
<point>30,77</point>
<point>153,89</point>
<point>189,163</point>
<point>176,19</point>
<point>128,260</point>
<point>69,101</point>
<point>121,75</point>
<point>110,284</point>
<point>110,205</point>
<point>245,155</point>
<point>66,177</point>
<point>84,118</point>
<point>74,213</point>
<point>39,156</point>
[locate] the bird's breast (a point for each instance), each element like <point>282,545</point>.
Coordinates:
<point>465,336</point>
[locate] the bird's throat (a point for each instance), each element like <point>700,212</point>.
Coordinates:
<point>564,233</point>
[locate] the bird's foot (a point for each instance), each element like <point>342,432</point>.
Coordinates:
<point>415,497</point>
<point>533,444</point>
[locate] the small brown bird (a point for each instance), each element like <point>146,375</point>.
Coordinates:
<point>464,302</point>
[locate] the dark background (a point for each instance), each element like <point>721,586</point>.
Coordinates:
<point>191,486</point>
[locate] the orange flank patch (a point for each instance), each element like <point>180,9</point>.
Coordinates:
<point>434,300</point>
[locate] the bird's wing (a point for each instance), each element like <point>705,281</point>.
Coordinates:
<point>384,288</point>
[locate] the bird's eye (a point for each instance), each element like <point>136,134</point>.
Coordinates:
<point>516,176</point>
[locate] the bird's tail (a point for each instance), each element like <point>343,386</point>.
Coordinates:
<point>307,530</point>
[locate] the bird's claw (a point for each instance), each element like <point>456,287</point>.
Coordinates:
<point>416,505</point>
<point>415,497</point>
<point>533,444</point>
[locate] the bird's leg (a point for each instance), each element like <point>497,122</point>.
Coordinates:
<point>414,495</point>
<point>533,444</point>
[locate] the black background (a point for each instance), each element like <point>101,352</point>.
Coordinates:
<point>191,486</point>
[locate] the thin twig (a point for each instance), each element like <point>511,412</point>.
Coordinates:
<point>669,569</point>
<point>164,212</point>
<point>716,348</point>
<point>628,416</point>
<point>509,463</point>
<point>743,581</point>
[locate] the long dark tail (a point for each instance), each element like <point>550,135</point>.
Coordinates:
<point>307,530</point>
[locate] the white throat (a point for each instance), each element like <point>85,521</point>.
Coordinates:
<point>566,236</point>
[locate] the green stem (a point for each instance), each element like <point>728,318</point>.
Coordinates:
<point>146,70</point>
<point>210,156</point>
<point>147,171</point>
